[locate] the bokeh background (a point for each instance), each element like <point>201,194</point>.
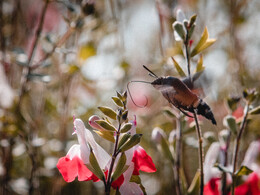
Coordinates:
<point>81,52</point>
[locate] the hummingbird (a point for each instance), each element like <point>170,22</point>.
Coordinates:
<point>179,93</point>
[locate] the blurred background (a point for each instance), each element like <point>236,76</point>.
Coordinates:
<point>62,58</point>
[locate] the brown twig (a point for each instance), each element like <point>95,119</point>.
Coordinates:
<point>58,44</point>
<point>27,69</point>
<point>237,143</point>
<point>178,156</point>
<point>201,155</point>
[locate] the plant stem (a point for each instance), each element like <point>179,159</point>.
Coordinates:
<point>27,69</point>
<point>242,128</point>
<point>58,44</point>
<point>178,156</point>
<point>187,53</point>
<point>108,183</point>
<point>201,156</point>
<point>24,80</point>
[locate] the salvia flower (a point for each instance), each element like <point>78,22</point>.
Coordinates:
<point>74,164</point>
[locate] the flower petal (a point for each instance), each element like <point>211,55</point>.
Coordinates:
<point>71,168</point>
<point>212,187</point>
<point>130,188</point>
<point>85,137</point>
<point>142,161</point>
<point>210,159</point>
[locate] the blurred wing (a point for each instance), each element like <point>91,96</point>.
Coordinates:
<point>168,92</point>
<point>195,85</point>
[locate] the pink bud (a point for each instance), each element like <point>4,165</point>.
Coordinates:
<point>93,124</point>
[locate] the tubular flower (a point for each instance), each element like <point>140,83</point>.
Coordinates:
<point>74,163</point>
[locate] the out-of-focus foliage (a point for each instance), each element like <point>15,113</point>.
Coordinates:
<point>79,53</point>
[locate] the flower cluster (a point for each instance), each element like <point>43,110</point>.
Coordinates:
<point>89,161</point>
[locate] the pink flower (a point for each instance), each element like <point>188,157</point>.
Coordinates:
<point>74,163</point>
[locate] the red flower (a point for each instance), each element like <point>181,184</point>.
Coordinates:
<point>142,161</point>
<point>212,187</point>
<point>71,168</point>
<point>250,187</point>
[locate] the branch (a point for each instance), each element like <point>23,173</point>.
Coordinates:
<point>201,155</point>
<point>242,128</point>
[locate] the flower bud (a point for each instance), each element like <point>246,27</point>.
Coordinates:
<point>93,124</point>
<point>157,135</point>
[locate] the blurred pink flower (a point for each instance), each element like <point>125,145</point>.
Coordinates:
<point>251,185</point>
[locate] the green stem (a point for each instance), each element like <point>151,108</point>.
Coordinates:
<point>108,183</point>
<point>187,53</point>
<point>242,128</point>
<point>201,156</point>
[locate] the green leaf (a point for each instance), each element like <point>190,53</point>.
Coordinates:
<point>108,112</point>
<point>105,125</point>
<point>231,123</point>
<point>232,102</point>
<point>108,135</point>
<point>120,167</point>
<point>118,102</point>
<point>166,150</point>
<point>192,20</point>
<point>135,179</point>
<point>119,95</point>
<point>124,97</point>
<point>244,170</point>
<point>123,139</point>
<point>203,43</point>
<point>255,111</point>
<point>178,68</point>
<point>223,168</point>
<point>134,140</point>
<point>179,28</point>
<point>208,43</point>
<point>194,186</point>
<point>126,127</point>
<point>200,66</point>
<point>94,164</point>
